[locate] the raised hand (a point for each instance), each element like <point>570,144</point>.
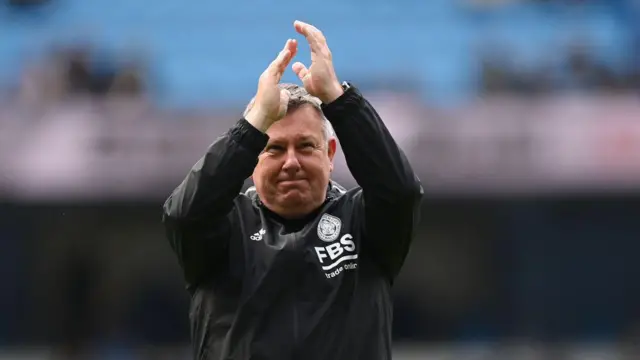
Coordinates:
<point>320,78</point>
<point>270,103</point>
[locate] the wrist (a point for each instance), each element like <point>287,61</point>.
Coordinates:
<point>258,120</point>
<point>335,92</point>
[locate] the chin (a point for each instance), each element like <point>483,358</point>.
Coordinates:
<point>293,198</point>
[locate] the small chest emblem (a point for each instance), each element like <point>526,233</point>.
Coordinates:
<point>329,228</point>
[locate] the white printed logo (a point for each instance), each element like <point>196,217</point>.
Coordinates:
<point>258,236</point>
<point>329,228</point>
<point>338,256</point>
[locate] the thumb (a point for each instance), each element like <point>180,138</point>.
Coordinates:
<point>285,95</point>
<point>300,70</point>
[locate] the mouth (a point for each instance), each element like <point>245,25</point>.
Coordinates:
<point>291,182</point>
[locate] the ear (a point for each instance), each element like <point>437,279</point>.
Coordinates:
<point>332,145</point>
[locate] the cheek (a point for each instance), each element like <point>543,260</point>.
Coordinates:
<point>265,170</point>
<point>318,168</point>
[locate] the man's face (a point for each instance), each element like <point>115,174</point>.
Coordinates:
<point>293,171</point>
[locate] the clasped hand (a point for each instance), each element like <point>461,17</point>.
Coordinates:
<point>319,79</point>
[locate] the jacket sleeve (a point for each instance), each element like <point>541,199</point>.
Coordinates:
<point>198,214</point>
<point>391,192</point>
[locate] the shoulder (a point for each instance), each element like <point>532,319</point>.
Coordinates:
<point>338,193</point>
<point>348,203</point>
<point>247,200</point>
<point>250,193</point>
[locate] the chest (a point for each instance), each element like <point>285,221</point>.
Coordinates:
<point>324,250</point>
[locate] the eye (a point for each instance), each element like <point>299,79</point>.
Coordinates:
<point>306,147</point>
<point>274,148</point>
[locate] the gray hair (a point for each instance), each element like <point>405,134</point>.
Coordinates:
<point>298,97</point>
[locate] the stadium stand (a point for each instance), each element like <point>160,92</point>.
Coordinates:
<point>211,52</point>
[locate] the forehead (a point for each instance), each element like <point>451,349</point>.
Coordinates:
<point>304,121</point>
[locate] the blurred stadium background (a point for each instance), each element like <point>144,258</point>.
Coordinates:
<point>522,118</point>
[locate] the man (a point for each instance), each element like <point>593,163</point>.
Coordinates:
<point>297,267</point>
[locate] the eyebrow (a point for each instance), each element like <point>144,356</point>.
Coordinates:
<point>307,138</point>
<point>275,141</point>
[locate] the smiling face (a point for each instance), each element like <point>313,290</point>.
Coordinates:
<point>292,174</point>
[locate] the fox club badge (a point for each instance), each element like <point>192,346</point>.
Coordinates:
<point>329,228</point>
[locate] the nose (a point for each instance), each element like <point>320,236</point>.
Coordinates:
<point>291,163</point>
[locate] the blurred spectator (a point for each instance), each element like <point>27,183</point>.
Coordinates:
<point>586,73</point>
<point>78,74</point>
<point>128,80</point>
<point>494,75</point>
<point>580,72</point>
<point>77,71</point>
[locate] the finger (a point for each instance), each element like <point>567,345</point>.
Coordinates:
<point>280,63</point>
<point>293,48</point>
<point>300,70</point>
<point>314,37</point>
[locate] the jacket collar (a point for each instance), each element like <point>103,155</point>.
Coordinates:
<point>334,191</point>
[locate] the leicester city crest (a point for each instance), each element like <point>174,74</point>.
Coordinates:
<point>329,228</point>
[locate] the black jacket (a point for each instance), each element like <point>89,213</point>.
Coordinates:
<point>264,288</point>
